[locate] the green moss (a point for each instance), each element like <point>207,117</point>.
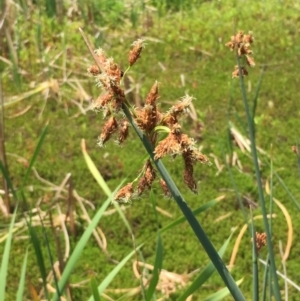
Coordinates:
<point>189,43</point>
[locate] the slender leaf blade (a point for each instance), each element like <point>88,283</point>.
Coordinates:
<point>221,294</point>
<point>80,246</point>
<point>104,284</point>
<point>157,268</point>
<point>95,290</point>
<point>5,257</point>
<point>94,171</point>
<point>35,154</point>
<point>39,255</point>
<point>204,275</point>
<point>22,279</point>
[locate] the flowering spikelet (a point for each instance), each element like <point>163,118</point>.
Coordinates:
<point>147,179</point>
<point>124,195</point>
<point>235,73</point>
<point>260,240</point>
<point>124,131</point>
<point>94,70</point>
<point>109,128</point>
<point>153,95</point>
<point>118,93</point>
<point>103,100</point>
<point>135,53</point>
<point>200,157</point>
<point>102,58</point>
<point>175,143</point>
<point>171,117</point>
<point>295,149</point>
<point>189,170</point>
<point>242,43</point>
<point>113,71</point>
<point>147,117</point>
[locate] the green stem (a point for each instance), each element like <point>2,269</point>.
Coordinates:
<point>259,185</point>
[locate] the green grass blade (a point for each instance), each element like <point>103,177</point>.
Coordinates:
<point>35,154</point>
<point>108,279</point>
<point>50,257</point>
<point>79,248</point>
<point>22,279</point>
<point>5,256</point>
<point>187,212</point>
<point>8,181</point>
<point>39,256</point>
<point>257,90</point>
<point>265,281</point>
<point>98,177</point>
<point>255,289</point>
<point>157,268</point>
<point>95,290</point>
<point>221,294</point>
<point>93,169</point>
<point>259,182</point>
<point>288,191</point>
<point>204,275</point>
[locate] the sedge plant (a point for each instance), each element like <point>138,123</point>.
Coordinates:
<point>148,122</point>
<point>241,45</point>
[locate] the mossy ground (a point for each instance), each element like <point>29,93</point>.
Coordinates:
<point>189,43</point>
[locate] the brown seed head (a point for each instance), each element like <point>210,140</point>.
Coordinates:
<point>189,180</point>
<point>153,95</point>
<point>171,117</point>
<point>124,195</point>
<point>147,179</point>
<point>118,93</point>
<point>295,149</point>
<point>147,118</point>
<point>109,128</point>
<point>103,100</point>
<point>135,53</point>
<point>248,38</point>
<point>113,71</point>
<point>250,61</point>
<point>189,170</point>
<point>124,131</point>
<point>261,240</point>
<point>200,157</point>
<point>94,70</point>
<point>235,73</point>
<point>175,143</point>
<point>102,58</point>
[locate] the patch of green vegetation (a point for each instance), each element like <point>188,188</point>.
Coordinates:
<point>190,43</point>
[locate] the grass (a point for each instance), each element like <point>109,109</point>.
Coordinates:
<point>189,43</point>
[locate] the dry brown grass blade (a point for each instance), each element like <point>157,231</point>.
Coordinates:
<point>239,238</point>
<point>88,44</point>
<point>242,142</point>
<point>168,282</point>
<point>288,222</point>
<point>21,112</point>
<point>217,164</point>
<point>222,217</point>
<point>163,212</point>
<point>283,261</point>
<point>98,233</point>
